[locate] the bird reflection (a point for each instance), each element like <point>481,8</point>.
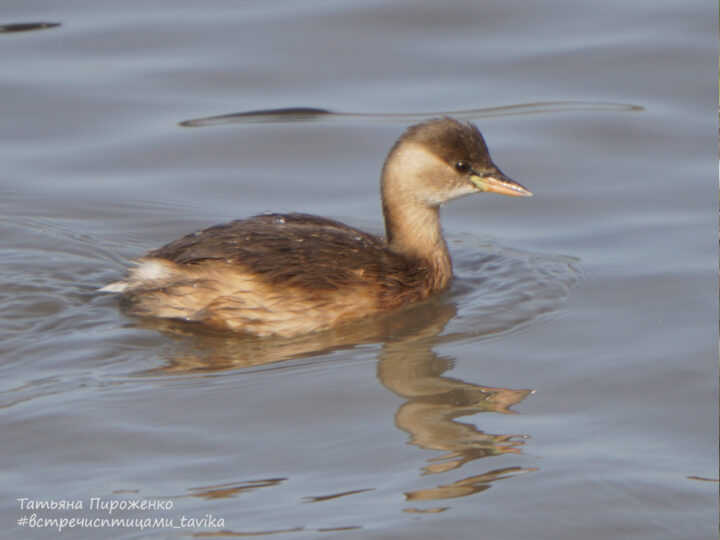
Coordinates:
<point>407,366</point>
<point>412,370</point>
<point>232,489</point>
<point>466,486</point>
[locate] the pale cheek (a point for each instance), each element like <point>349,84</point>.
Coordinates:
<point>453,193</point>
<point>439,198</point>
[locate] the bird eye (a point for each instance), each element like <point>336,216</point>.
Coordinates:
<point>463,167</point>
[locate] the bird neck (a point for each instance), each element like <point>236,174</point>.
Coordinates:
<point>413,229</point>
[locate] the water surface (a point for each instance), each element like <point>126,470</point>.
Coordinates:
<point>564,387</point>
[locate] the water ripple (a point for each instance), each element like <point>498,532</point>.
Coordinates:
<point>500,289</point>
<point>306,114</point>
<point>26,27</point>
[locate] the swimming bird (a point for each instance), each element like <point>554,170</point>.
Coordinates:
<point>290,274</point>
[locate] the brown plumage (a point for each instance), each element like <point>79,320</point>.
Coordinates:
<point>288,274</point>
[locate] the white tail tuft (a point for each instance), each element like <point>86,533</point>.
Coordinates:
<point>150,270</point>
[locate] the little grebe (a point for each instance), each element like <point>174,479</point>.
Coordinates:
<point>288,274</point>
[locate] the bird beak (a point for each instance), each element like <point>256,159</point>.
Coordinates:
<point>497,182</point>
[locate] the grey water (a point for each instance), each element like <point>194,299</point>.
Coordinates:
<point>564,387</point>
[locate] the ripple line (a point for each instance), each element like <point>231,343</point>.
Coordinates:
<point>306,114</point>
<point>26,27</point>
